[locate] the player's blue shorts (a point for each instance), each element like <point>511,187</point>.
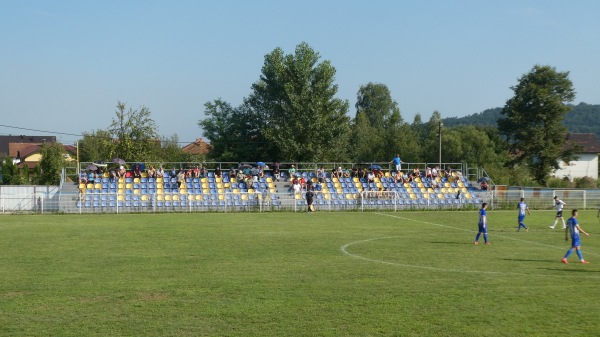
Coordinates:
<point>559,214</point>
<point>521,218</point>
<point>575,242</point>
<point>482,228</point>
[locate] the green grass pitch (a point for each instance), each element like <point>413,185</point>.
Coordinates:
<point>295,274</point>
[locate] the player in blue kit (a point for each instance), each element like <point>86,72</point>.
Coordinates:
<point>482,224</point>
<point>574,229</point>
<point>522,206</point>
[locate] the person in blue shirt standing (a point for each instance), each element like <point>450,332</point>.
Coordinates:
<point>397,161</point>
<point>574,229</point>
<point>522,206</point>
<point>482,224</point>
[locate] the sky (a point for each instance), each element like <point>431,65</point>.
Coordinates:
<point>64,65</point>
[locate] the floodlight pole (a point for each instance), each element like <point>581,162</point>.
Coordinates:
<point>440,145</point>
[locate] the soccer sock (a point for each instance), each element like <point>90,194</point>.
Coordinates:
<point>579,254</point>
<point>477,237</point>
<point>485,237</point>
<point>568,252</point>
<point>563,221</point>
<point>555,222</point>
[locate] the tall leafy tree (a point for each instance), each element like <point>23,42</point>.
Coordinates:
<point>295,100</point>
<point>363,140</point>
<point>51,164</point>
<point>378,131</point>
<point>532,120</point>
<point>96,145</point>
<point>429,139</point>
<point>10,172</point>
<point>236,134</point>
<point>136,133</point>
<point>171,152</point>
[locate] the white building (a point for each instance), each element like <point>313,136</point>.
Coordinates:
<point>587,164</point>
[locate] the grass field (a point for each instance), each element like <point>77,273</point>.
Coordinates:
<point>295,274</point>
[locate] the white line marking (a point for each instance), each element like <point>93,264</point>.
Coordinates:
<point>345,251</point>
<point>495,235</point>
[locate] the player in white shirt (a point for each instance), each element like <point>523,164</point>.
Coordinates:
<point>559,204</point>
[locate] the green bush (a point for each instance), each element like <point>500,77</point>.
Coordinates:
<point>586,182</point>
<point>559,183</point>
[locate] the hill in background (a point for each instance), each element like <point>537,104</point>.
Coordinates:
<point>582,119</point>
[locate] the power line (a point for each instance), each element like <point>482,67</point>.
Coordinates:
<point>67,134</point>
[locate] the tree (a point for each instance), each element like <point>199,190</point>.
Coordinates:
<point>295,101</point>
<point>236,134</point>
<point>136,134</point>
<point>430,141</point>
<point>10,172</point>
<point>97,145</point>
<point>363,141</point>
<point>171,152</point>
<point>378,131</point>
<point>51,164</point>
<point>533,121</point>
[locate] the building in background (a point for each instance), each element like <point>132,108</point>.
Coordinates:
<point>587,164</point>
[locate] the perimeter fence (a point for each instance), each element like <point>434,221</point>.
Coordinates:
<point>49,199</point>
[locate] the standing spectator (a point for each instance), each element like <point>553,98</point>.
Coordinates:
<point>196,171</point>
<point>180,178</point>
<point>276,172</point>
<point>310,198</point>
<point>397,162</point>
<point>218,172</point>
<point>559,204</point>
<point>522,206</point>
<point>173,173</point>
<point>292,171</point>
<point>482,224</point>
<point>574,229</point>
